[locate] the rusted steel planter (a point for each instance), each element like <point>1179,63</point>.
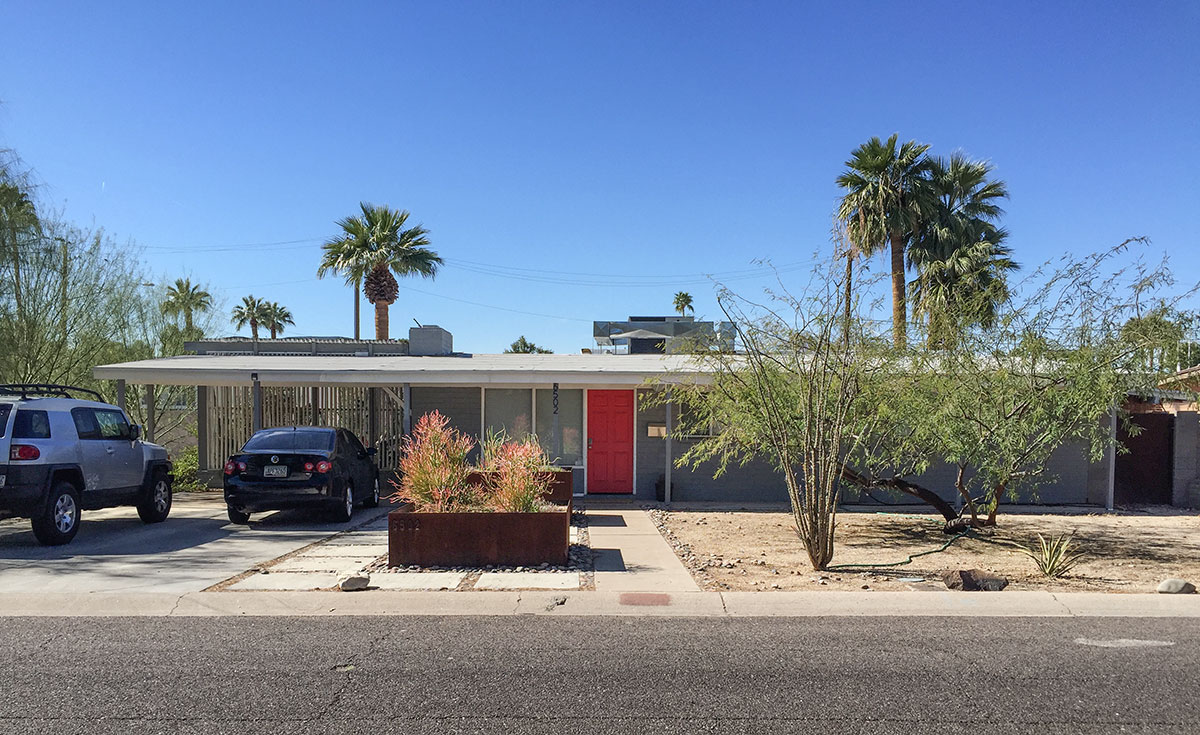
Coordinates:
<point>477,539</point>
<point>561,484</point>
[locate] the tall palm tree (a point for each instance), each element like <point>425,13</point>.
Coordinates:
<point>886,200</point>
<point>683,303</point>
<point>960,257</point>
<point>187,299</point>
<point>372,247</point>
<point>276,318</point>
<point>251,311</point>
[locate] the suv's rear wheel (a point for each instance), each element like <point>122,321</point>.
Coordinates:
<point>155,504</point>
<point>58,520</point>
<point>237,515</point>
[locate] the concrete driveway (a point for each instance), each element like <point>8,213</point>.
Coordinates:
<point>195,548</point>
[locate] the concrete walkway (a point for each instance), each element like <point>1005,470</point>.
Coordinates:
<point>632,556</point>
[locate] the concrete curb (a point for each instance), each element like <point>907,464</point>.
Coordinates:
<point>633,604</point>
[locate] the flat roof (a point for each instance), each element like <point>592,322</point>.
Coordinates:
<point>507,369</point>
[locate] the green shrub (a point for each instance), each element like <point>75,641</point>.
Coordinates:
<point>187,471</point>
<point>1054,557</point>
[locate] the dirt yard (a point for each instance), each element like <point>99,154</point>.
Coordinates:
<point>1127,551</point>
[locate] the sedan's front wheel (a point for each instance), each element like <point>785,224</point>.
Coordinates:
<point>372,500</point>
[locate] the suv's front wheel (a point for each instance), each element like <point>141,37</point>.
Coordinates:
<point>155,504</point>
<point>58,520</point>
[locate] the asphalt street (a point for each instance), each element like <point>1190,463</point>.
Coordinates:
<point>599,675</point>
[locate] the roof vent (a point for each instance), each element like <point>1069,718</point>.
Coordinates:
<point>430,340</point>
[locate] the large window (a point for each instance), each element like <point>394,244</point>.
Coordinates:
<point>564,447</point>
<point>508,410</point>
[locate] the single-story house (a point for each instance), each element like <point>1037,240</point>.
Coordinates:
<point>589,411</point>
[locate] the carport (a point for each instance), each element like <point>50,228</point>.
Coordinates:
<point>379,396</point>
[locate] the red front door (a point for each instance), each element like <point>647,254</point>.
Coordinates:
<point>610,441</point>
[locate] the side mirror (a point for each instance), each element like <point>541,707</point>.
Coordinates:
<point>372,451</point>
<point>135,432</point>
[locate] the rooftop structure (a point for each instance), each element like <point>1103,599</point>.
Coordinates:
<point>640,335</point>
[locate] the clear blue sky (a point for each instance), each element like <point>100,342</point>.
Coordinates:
<point>647,142</point>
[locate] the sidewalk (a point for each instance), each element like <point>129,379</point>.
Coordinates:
<point>637,604</point>
<point>632,556</point>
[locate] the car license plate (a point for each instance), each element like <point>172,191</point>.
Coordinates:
<point>275,471</point>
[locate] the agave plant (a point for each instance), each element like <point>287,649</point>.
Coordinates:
<point>1054,557</point>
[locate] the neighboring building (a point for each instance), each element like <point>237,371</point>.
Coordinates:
<point>646,335</point>
<point>589,411</point>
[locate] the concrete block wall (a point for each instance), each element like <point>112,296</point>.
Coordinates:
<point>1185,489</point>
<point>463,406</point>
<point>756,482</point>
<point>1069,475</point>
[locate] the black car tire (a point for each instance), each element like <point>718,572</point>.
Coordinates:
<point>344,510</point>
<point>155,505</point>
<point>237,516</point>
<point>57,521</point>
<point>372,500</point>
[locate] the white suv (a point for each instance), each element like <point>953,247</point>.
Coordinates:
<point>65,454</point>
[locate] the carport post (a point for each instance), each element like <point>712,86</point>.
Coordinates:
<point>314,400</point>
<point>149,401</point>
<point>406,394</point>
<point>202,427</point>
<point>255,403</point>
<point>121,394</point>
<point>667,474</point>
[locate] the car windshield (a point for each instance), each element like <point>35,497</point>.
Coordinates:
<point>5,409</point>
<point>290,440</point>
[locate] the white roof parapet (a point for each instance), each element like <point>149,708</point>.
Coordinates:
<point>509,369</point>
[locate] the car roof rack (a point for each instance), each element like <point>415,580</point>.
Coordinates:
<point>26,390</point>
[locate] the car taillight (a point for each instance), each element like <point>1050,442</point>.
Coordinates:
<point>308,466</point>
<point>323,466</point>
<point>233,467</point>
<point>23,451</point>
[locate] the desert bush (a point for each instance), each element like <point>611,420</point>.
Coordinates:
<point>186,468</point>
<point>433,468</point>
<point>1054,557</point>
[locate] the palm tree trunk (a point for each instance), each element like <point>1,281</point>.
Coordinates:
<point>254,334</point>
<point>357,299</point>
<point>381,319</point>
<point>187,322</point>
<point>899,297</point>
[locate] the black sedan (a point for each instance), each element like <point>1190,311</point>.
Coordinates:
<point>301,467</point>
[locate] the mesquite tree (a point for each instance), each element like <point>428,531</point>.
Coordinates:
<point>996,402</point>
